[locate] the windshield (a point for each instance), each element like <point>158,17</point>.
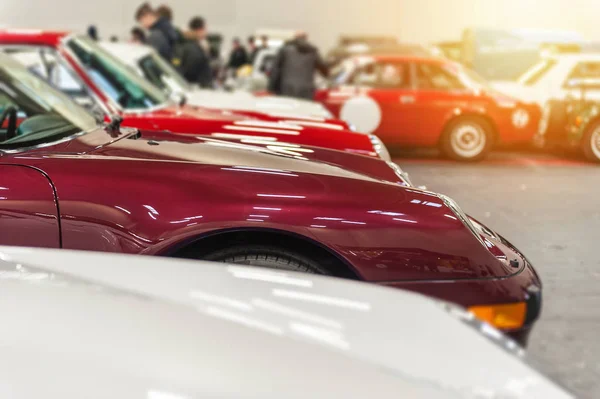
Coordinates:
<point>114,78</point>
<point>44,114</point>
<point>472,79</point>
<point>536,72</point>
<point>161,74</point>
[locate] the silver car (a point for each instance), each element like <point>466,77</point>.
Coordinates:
<point>84,325</point>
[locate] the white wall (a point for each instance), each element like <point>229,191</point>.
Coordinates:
<point>419,21</point>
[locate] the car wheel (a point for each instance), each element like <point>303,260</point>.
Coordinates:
<point>467,139</point>
<point>591,143</point>
<point>265,256</point>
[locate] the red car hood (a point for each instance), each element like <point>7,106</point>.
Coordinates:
<point>253,153</point>
<point>227,124</point>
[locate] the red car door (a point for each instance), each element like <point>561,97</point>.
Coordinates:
<point>439,94</point>
<point>395,93</point>
<point>373,100</point>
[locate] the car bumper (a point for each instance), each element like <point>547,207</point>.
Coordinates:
<point>525,286</point>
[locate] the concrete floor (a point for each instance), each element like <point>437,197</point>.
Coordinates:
<point>549,207</point>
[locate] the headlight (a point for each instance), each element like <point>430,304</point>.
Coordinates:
<point>400,173</point>
<point>380,148</point>
<point>450,203</point>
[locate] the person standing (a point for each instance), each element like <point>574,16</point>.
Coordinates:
<point>294,69</point>
<point>162,36</point>
<point>138,36</point>
<point>238,56</point>
<point>195,62</point>
<point>252,49</point>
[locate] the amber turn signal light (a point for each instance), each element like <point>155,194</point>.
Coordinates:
<point>503,317</point>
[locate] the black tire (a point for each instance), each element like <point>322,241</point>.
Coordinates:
<point>265,256</point>
<point>479,128</point>
<point>591,140</point>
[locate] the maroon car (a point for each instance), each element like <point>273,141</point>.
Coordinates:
<point>68,183</point>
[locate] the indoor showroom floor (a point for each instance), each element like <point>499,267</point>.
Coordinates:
<point>548,207</point>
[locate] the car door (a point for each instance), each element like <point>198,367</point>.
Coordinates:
<point>28,212</point>
<point>373,97</point>
<point>439,94</point>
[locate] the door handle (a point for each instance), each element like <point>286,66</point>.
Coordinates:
<point>408,99</point>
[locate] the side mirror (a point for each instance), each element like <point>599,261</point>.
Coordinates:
<point>178,97</point>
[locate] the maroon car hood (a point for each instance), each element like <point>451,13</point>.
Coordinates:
<point>169,147</point>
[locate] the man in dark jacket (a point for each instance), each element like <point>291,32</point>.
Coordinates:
<point>293,72</point>
<point>162,36</point>
<point>238,56</point>
<point>195,62</point>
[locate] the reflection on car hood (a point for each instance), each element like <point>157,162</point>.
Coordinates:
<point>99,325</point>
<point>231,150</point>
<point>241,100</point>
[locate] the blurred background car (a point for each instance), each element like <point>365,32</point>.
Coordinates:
<point>144,327</point>
<point>147,62</point>
<point>411,101</point>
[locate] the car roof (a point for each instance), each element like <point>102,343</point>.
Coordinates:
<point>32,36</point>
<point>410,58</point>
<point>92,324</point>
<point>127,51</point>
<point>577,57</point>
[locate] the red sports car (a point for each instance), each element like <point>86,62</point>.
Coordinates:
<point>412,101</point>
<point>96,79</point>
<point>68,183</point>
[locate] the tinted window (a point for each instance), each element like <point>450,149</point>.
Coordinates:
<point>48,114</point>
<point>162,74</point>
<point>386,75</point>
<point>586,70</point>
<point>437,77</point>
<point>114,78</point>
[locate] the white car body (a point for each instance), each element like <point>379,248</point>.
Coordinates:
<point>97,326</point>
<point>549,79</point>
<point>134,55</point>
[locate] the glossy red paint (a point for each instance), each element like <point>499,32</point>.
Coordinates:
<point>187,119</point>
<point>153,195</point>
<point>415,115</point>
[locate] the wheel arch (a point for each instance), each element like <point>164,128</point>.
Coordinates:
<point>470,114</point>
<point>198,246</point>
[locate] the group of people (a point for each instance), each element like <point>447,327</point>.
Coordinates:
<point>187,51</point>
<point>292,73</point>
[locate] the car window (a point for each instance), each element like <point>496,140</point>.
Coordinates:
<point>584,75</point>
<point>586,70</point>
<point>161,74</point>
<point>536,72</point>
<point>47,113</point>
<point>437,77</point>
<point>384,75</point>
<point>46,64</point>
<point>115,79</point>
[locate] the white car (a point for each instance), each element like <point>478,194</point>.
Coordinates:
<point>146,62</point>
<point>555,78</point>
<point>84,325</point>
